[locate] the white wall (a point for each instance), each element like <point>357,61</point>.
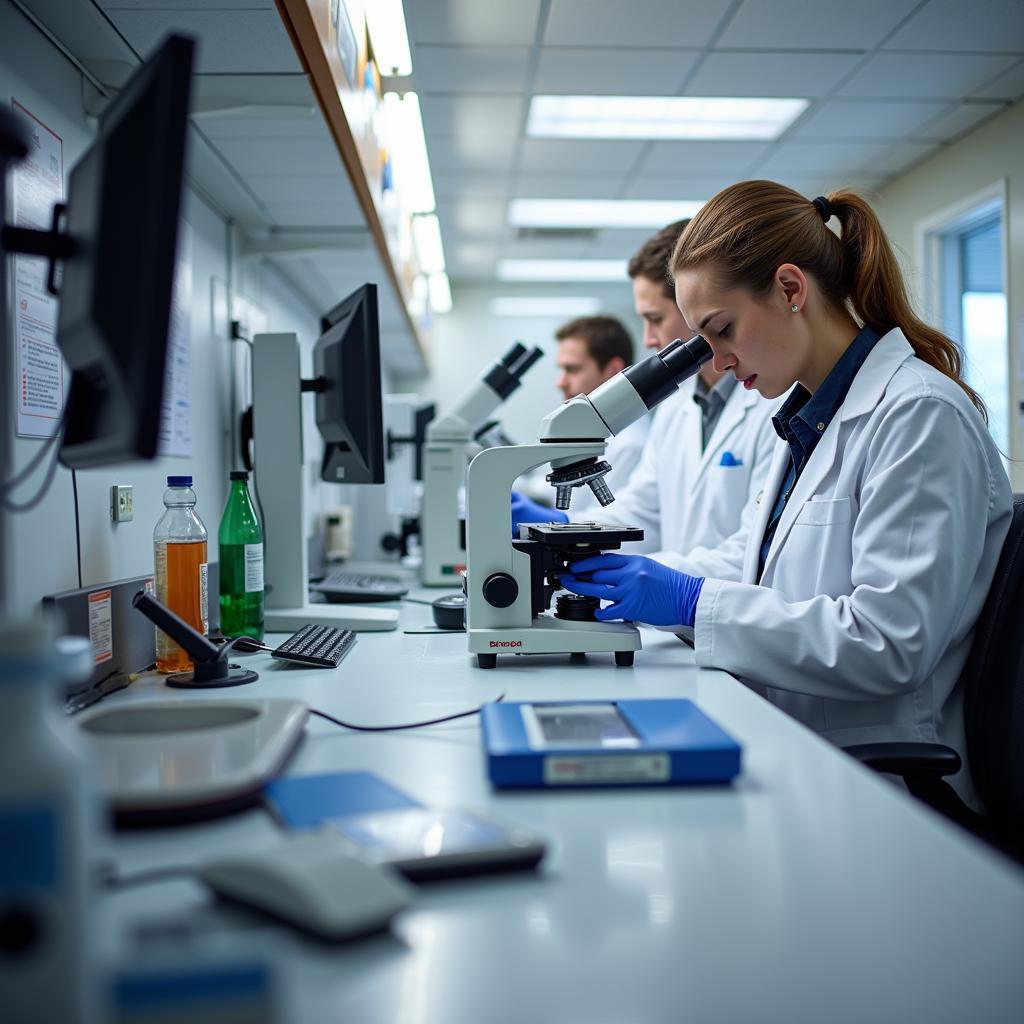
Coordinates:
<point>40,545</point>
<point>992,152</point>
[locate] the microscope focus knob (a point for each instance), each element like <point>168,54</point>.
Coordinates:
<point>500,590</point>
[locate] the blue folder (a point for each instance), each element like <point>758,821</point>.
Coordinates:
<point>674,743</point>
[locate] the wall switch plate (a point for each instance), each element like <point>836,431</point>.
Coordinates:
<point>121,504</point>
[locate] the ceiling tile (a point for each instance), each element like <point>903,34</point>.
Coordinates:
<point>689,23</point>
<point>470,153</point>
<point>826,158</point>
<point>996,26</point>
<point>468,116</point>
<point>570,155</point>
<point>475,217</point>
<point>770,74</point>
<point>911,75</point>
<point>1008,86</point>
<point>900,156</point>
<point>813,24</point>
<point>458,69</point>
<point>612,72</point>
<point>892,119</point>
<point>230,42</point>
<point>612,245</point>
<point>577,185</point>
<point>453,184</point>
<point>959,120</point>
<point>545,249</point>
<point>239,90</point>
<point>472,22</point>
<point>671,158</point>
<point>681,186</point>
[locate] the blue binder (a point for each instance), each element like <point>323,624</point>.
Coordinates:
<point>605,743</point>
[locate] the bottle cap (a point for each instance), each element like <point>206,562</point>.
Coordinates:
<point>179,481</point>
<point>239,474</point>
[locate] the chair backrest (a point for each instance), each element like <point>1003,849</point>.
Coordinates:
<point>993,681</point>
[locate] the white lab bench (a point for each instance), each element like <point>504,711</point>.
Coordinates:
<point>810,890</point>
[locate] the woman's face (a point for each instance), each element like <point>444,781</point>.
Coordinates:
<point>759,339</point>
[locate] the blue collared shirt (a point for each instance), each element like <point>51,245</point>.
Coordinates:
<point>804,417</point>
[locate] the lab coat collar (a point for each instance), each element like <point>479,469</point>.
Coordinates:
<point>890,352</point>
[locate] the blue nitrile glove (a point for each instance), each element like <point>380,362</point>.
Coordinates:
<point>641,589</point>
<point>526,511</point>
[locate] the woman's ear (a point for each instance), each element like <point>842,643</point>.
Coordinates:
<point>792,284</point>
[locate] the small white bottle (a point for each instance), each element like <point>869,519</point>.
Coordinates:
<point>48,816</point>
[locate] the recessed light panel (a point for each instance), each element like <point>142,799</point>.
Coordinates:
<point>661,117</point>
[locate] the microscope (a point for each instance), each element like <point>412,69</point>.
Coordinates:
<point>510,581</point>
<point>451,439</point>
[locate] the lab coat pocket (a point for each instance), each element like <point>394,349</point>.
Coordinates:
<point>824,512</point>
<point>817,557</point>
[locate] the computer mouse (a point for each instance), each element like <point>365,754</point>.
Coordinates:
<point>314,883</point>
<point>450,611</point>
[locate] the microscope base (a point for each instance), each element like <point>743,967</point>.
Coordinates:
<point>548,635</point>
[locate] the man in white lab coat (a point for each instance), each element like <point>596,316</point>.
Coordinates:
<point>710,444</point>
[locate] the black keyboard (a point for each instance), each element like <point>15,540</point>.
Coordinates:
<point>338,587</point>
<point>323,646</point>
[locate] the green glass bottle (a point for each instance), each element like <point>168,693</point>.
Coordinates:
<point>240,539</point>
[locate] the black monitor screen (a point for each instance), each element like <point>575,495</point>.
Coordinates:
<point>348,407</point>
<point>124,199</point>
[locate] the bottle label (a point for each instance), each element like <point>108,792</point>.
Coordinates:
<point>253,568</point>
<point>204,596</point>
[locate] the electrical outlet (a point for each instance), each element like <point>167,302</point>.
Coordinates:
<point>121,506</point>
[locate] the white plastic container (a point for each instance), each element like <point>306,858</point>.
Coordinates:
<point>48,816</point>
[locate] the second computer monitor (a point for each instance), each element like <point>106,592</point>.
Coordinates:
<point>346,361</point>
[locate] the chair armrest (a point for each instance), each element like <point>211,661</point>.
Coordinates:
<point>922,760</point>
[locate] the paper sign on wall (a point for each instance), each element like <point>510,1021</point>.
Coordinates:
<point>38,184</point>
<point>176,412</point>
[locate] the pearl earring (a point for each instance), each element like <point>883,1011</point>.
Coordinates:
<point>795,308</point>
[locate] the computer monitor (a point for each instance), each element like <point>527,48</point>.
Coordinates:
<point>124,200</point>
<point>346,363</point>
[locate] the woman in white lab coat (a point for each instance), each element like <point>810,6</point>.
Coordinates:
<point>872,547</point>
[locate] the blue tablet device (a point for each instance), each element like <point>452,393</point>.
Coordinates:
<point>606,743</point>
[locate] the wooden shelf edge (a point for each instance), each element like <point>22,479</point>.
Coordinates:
<point>298,22</point>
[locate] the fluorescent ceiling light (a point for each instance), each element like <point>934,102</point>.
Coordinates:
<point>408,148</point>
<point>426,233</point>
<point>661,117</point>
<point>440,293</point>
<point>561,270</point>
<point>544,305</point>
<point>599,213</point>
<point>385,20</point>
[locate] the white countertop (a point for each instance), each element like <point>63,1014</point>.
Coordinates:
<point>810,890</point>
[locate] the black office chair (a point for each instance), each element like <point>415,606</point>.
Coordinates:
<point>993,682</point>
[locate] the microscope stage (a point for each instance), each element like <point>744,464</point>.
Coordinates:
<point>588,533</point>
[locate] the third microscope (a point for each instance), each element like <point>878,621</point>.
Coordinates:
<point>451,441</point>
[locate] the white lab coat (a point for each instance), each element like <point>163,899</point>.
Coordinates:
<point>622,453</point>
<point>878,569</point>
<point>683,498</point>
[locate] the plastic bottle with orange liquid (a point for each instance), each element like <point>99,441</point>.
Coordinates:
<point>179,556</point>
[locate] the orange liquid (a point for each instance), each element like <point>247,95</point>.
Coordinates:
<point>182,588</point>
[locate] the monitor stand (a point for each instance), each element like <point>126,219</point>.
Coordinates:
<point>277,451</point>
